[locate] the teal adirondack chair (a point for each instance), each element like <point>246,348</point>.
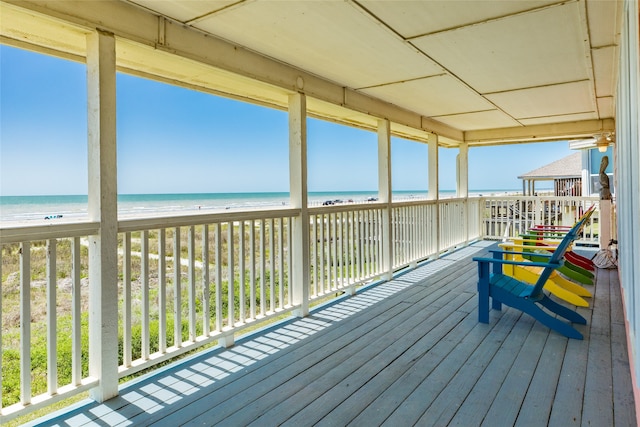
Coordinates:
<point>530,299</point>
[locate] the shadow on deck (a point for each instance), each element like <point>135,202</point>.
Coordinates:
<point>406,352</point>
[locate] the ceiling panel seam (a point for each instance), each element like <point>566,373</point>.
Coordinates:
<point>402,81</point>
<point>363,9</point>
<point>207,15</point>
<point>536,87</point>
<point>463,113</point>
<point>556,115</point>
<point>486,21</point>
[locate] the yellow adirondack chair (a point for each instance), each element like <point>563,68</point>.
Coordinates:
<point>555,284</point>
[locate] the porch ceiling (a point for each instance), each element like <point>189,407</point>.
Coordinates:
<point>485,72</point>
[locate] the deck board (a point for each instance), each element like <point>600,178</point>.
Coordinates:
<point>407,352</point>
<point>539,397</point>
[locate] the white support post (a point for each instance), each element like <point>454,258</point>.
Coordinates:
<point>434,188</point>
<point>462,185</point>
<point>102,201</point>
<point>463,171</point>
<point>385,195</point>
<point>433,167</point>
<point>298,198</point>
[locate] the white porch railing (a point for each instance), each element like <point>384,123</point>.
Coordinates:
<point>345,248</point>
<point>509,216</point>
<point>188,281</point>
<point>199,280</point>
<point>414,232</point>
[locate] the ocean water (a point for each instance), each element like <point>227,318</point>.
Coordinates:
<point>29,208</point>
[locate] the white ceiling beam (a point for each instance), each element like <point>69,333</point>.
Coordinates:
<point>539,133</point>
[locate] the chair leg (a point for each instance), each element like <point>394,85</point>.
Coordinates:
<point>551,322</point>
<point>483,292</point>
<point>563,311</point>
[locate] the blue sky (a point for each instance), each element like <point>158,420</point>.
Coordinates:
<point>174,140</point>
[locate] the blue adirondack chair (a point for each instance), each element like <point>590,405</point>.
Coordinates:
<point>530,299</point>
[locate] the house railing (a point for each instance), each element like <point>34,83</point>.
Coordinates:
<point>509,216</point>
<point>189,281</point>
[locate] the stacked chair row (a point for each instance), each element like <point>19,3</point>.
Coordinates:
<point>541,259</point>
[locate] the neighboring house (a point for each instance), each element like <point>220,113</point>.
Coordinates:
<point>574,175</point>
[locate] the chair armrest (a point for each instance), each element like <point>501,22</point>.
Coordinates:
<point>520,253</point>
<point>552,227</point>
<point>543,248</point>
<point>506,261</point>
<point>538,241</point>
<point>543,235</point>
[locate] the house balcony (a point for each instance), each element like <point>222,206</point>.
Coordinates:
<point>388,303</point>
<point>357,314</point>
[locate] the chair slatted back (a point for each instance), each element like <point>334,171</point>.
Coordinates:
<point>556,258</point>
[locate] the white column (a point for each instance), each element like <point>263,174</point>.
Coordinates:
<point>605,223</point>
<point>463,171</point>
<point>434,188</point>
<point>298,199</point>
<point>385,194</point>
<point>462,185</point>
<point>433,167</point>
<point>103,261</point>
<point>586,182</point>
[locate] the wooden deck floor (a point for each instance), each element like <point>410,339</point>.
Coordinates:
<point>407,352</point>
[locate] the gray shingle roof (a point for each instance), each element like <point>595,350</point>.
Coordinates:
<point>567,167</point>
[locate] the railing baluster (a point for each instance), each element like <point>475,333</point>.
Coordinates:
<point>313,256</point>
<point>411,236</point>
<point>379,252</point>
<point>219,314</point>
<point>281,264</point>
<point>289,255</point>
<point>162,292</point>
<point>144,279</point>
<point>404,246</point>
<point>25,323</point>
<point>76,313</point>
<point>407,247</point>
<point>370,243</point>
<point>241,268</point>
<point>263,291</point>
<point>375,241</point>
<point>321,269</point>
<point>52,330</point>
<point>231,276</point>
<point>362,241</point>
<point>339,248</point>
<point>333,250</point>
<point>126,300</point>
<point>191,254</point>
<point>347,247</point>
<point>358,239</point>
<point>177,289</point>
<point>272,267</point>
<point>352,246</point>
<point>252,268</point>
<point>206,322</point>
